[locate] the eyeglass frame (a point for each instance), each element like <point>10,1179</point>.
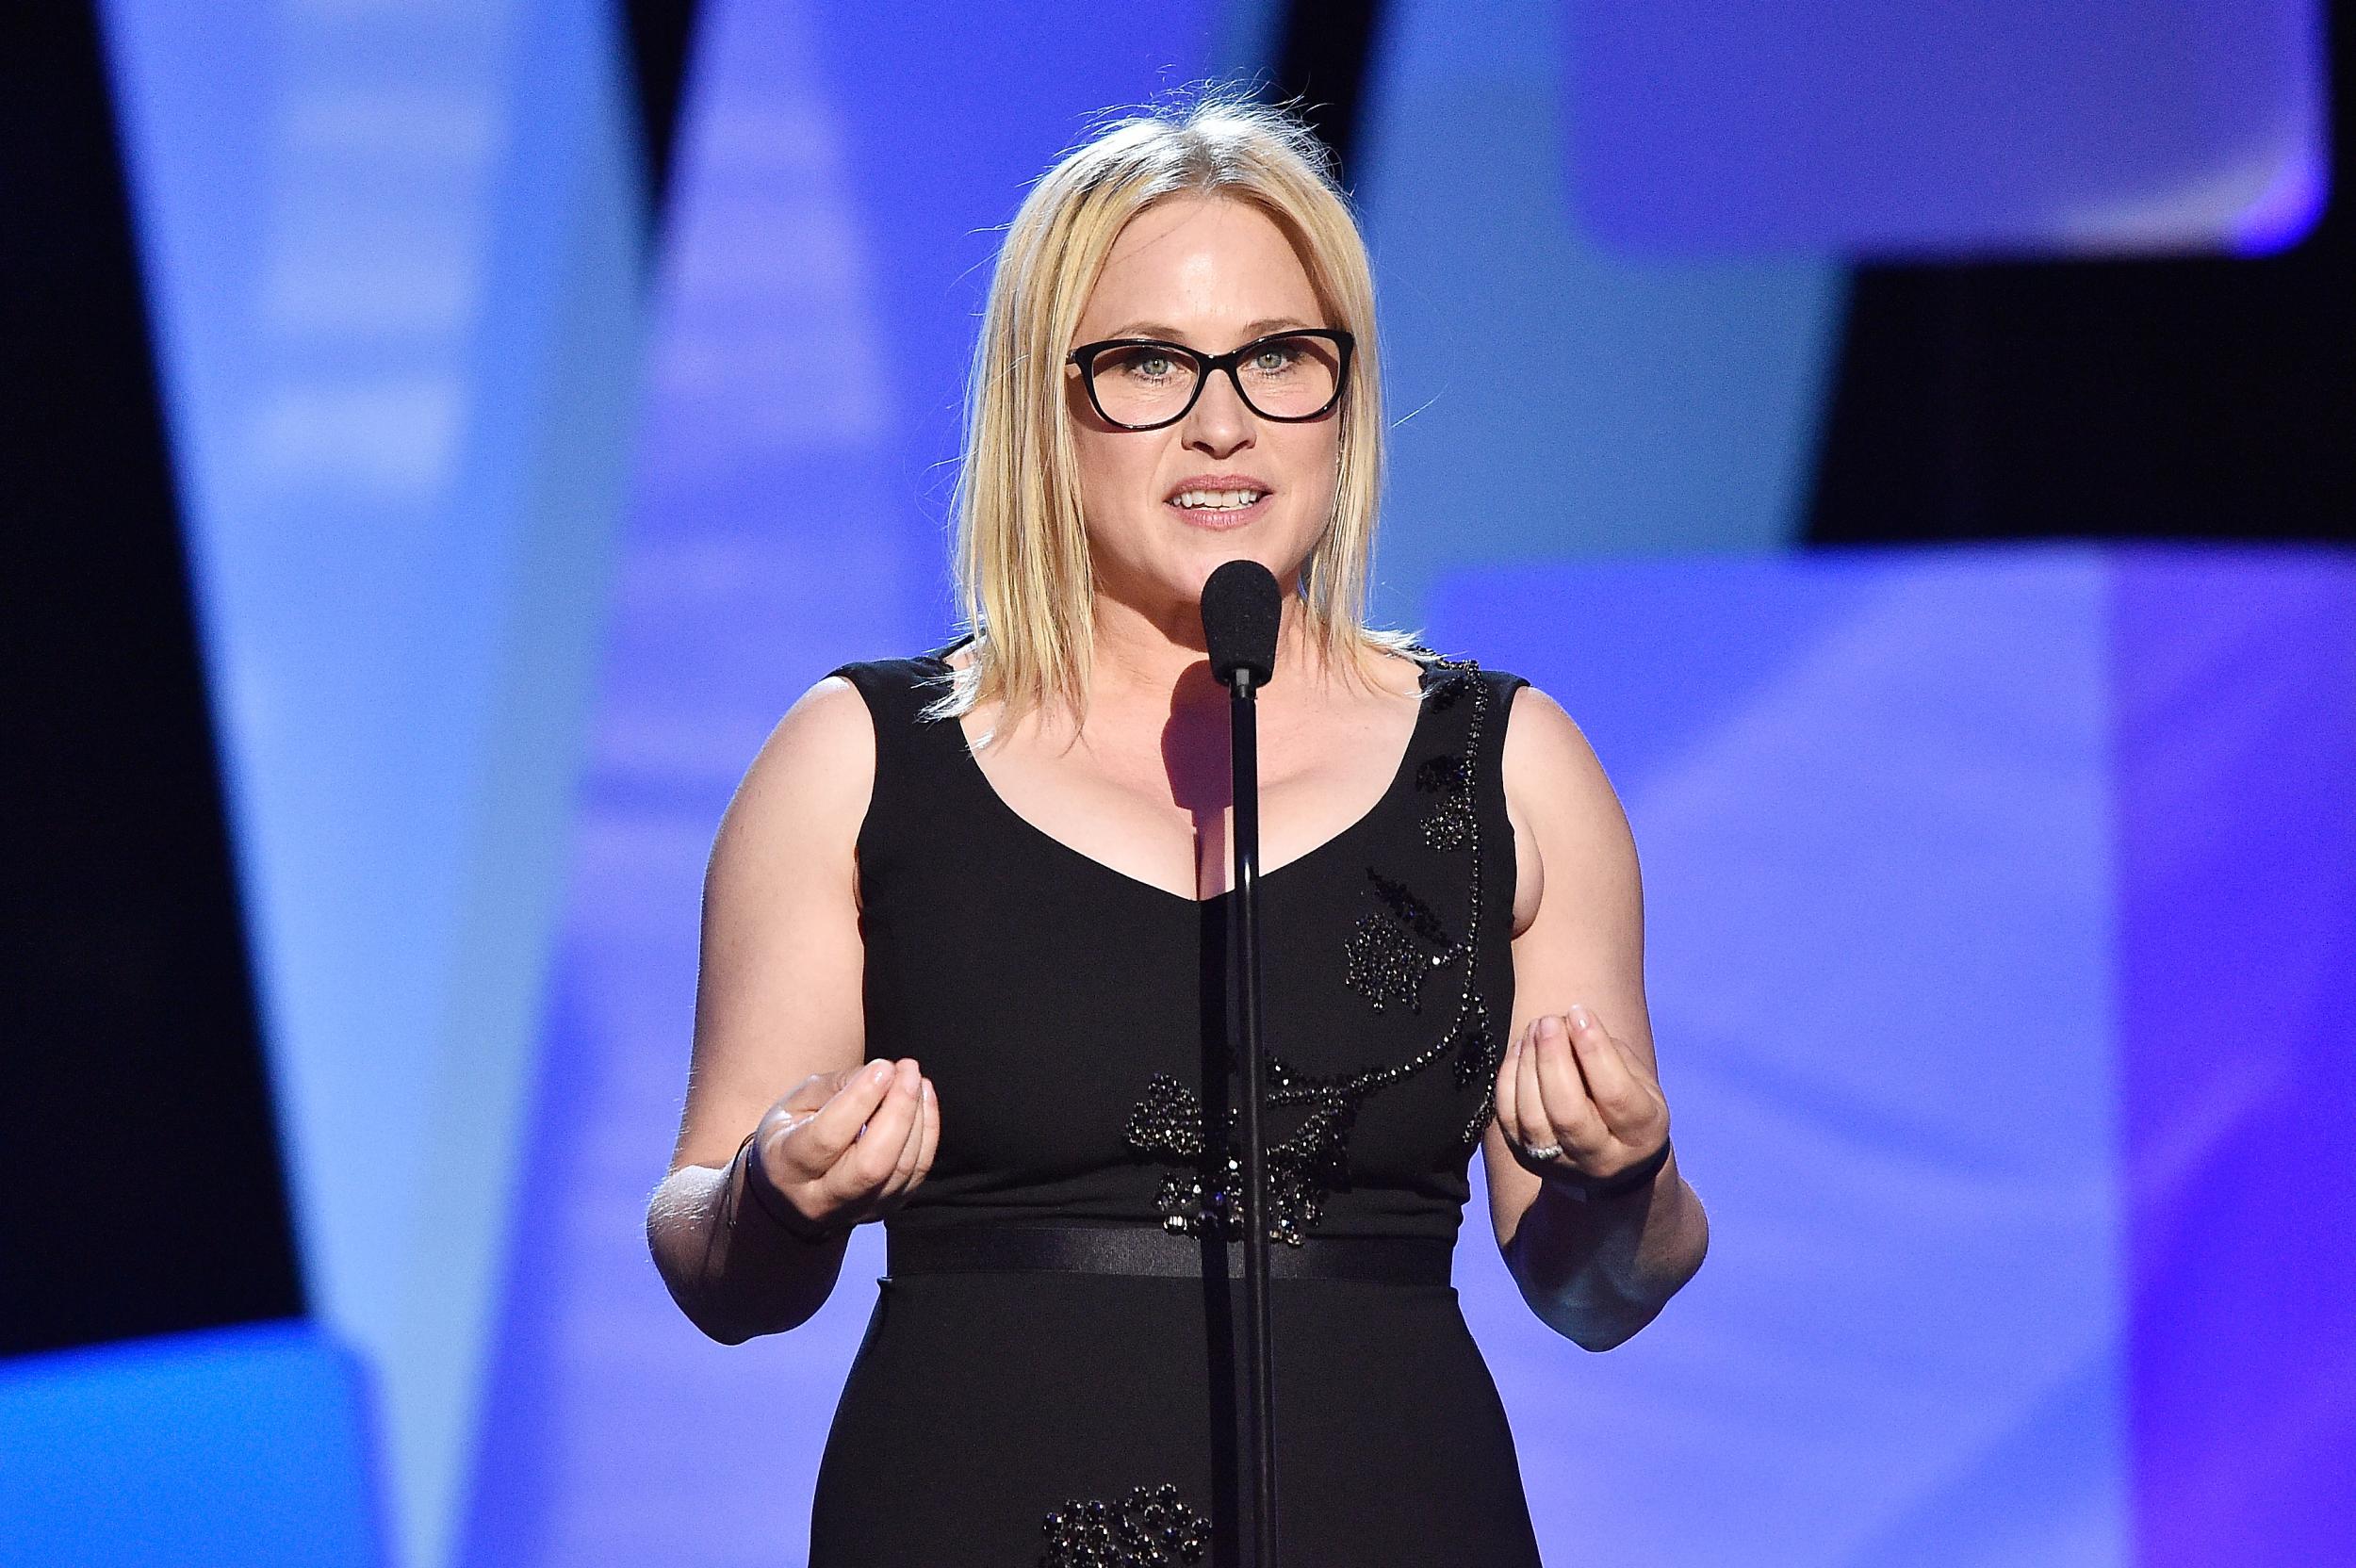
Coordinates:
<point>1206,365</point>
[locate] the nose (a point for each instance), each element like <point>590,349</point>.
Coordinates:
<point>1219,423</point>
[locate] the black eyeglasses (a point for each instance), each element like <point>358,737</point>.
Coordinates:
<point>1143,383</point>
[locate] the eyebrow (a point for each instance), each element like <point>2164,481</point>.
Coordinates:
<point>1161,329</point>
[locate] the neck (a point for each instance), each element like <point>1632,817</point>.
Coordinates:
<point>1160,652</point>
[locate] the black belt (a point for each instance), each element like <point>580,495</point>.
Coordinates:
<point>1148,1250</point>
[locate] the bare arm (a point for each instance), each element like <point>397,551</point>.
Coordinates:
<point>1581,1071</point>
<point>779,1036</point>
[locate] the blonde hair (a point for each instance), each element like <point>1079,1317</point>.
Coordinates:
<point>1023,570</point>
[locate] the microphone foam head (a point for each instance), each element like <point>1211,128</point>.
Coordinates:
<point>1241,609</point>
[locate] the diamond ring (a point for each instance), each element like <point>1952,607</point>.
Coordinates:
<point>1543,1151</point>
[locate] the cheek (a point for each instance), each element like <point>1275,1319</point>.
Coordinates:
<point>1112,464</point>
<point>1315,462</point>
<point>1115,474</point>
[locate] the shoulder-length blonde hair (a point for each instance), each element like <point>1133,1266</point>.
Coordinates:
<point>1023,577</point>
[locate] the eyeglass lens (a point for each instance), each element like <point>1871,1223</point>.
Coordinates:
<point>1284,378</point>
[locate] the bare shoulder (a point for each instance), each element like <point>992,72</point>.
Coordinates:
<point>1569,828</point>
<point>1553,779</point>
<point>809,783</point>
<point>1549,764</point>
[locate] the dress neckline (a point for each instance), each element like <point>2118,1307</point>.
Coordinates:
<point>999,803</point>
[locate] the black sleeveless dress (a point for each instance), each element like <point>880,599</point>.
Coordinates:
<point>1070,1018</point>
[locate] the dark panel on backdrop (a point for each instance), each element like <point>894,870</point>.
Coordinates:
<point>2209,397</point>
<point>1323,59</point>
<point>662,40</point>
<point>139,1183</point>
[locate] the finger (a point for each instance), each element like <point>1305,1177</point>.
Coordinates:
<point>932,1134</point>
<point>1578,1127</point>
<point>1626,1105</point>
<point>903,1169</point>
<point>1508,1090</point>
<point>1525,1091</point>
<point>819,1144</point>
<point>868,1165</point>
<point>1536,1126</point>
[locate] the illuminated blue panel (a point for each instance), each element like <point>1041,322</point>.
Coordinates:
<point>1551,399</point>
<point>1872,794</point>
<point>2003,969</point>
<point>2023,126</point>
<point>245,1446</point>
<point>2237,679</point>
<point>393,254</point>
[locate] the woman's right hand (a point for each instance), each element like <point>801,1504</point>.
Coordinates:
<point>848,1146</point>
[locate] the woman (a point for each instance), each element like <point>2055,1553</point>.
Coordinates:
<point>999,871</point>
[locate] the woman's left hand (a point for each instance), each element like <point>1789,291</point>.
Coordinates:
<point>1568,1084</point>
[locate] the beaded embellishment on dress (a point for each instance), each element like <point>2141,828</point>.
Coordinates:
<point>1450,826</point>
<point>1301,1168</point>
<point>1151,1528</point>
<point>1392,949</point>
<point>1387,959</point>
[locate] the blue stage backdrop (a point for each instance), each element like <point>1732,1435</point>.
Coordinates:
<point>246,1446</point>
<point>2004,956</point>
<point>2022,128</point>
<point>2003,967</point>
<point>393,254</point>
<point>1554,397</point>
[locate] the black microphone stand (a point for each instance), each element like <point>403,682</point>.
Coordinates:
<point>1243,752</point>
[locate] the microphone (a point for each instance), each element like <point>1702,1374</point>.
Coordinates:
<point>1242,608</point>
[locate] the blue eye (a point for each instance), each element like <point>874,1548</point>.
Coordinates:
<point>1142,363</point>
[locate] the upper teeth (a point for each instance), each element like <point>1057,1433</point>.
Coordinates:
<point>1216,497</point>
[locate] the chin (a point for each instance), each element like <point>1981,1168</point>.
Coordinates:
<point>1266,539</point>
<point>1183,557</point>
<point>1215,553</point>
